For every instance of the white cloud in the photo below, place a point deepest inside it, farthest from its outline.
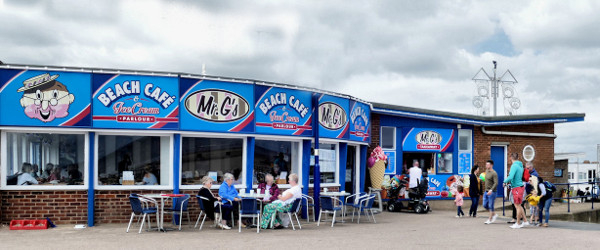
(412, 53)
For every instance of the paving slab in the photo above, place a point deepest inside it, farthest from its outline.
(393, 230)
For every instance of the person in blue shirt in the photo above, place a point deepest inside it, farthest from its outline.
(532, 171)
(229, 195)
(515, 179)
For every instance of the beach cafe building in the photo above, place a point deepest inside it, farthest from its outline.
(91, 137)
(447, 145)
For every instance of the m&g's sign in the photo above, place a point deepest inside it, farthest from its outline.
(332, 116)
(428, 139)
(216, 105)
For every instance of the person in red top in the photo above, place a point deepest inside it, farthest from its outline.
(270, 188)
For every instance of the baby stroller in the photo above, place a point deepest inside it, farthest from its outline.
(416, 201)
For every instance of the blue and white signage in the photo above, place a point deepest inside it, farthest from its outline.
(464, 163)
(333, 117)
(360, 125)
(208, 105)
(45, 98)
(135, 102)
(425, 139)
(391, 167)
(283, 111)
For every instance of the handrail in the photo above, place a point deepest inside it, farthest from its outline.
(593, 183)
(569, 197)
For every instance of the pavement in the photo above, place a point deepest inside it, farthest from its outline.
(393, 230)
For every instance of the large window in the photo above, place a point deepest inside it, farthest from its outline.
(328, 163)
(133, 160)
(45, 159)
(211, 157)
(279, 158)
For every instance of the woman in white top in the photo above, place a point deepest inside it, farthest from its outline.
(282, 204)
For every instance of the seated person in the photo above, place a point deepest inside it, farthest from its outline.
(282, 204)
(55, 175)
(209, 205)
(74, 176)
(270, 188)
(48, 171)
(229, 194)
(26, 178)
(149, 177)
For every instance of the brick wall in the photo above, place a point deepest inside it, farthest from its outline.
(70, 207)
(62, 207)
(544, 146)
(564, 165)
(375, 132)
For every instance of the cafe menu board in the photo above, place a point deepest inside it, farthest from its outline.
(327, 160)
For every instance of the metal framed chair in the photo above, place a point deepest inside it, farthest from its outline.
(203, 212)
(294, 209)
(180, 206)
(137, 209)
(249, 209)
(309, 203)
(352, 200)
(365, 205)
(328, 206)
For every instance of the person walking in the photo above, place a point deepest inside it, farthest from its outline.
(515, 179)
(491, 183)
(474, 192)
(546, 193)
(458, 200)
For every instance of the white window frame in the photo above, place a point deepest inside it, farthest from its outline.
(4, 151)
(470, 141)
(214, 135)
(393, 137)
(299, 158)
(336, 183)
(133, 187)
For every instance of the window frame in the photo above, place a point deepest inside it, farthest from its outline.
(299, 158)
(336, 183)
(4, 160)
(133, 187)
(214, 186)
(393, 137)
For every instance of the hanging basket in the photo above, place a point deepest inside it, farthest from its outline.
(377, 172)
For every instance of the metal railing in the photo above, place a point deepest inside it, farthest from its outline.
(592, 194)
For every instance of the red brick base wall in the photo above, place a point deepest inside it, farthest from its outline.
(62, 207)
(544, 146)
(70, 207)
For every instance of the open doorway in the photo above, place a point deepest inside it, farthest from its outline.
(426, 162)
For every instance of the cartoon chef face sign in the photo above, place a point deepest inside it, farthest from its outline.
(45, 98)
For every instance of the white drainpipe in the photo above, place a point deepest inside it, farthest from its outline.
(516, 133)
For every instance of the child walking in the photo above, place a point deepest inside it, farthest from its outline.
(458, 200)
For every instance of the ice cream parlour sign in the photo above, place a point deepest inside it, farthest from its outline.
(278, 106)
(332, 116)
(127, 100)
(217, 105)
(429, 140)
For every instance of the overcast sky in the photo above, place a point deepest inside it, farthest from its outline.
(413, 53)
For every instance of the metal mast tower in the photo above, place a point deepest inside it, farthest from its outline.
(490, 87)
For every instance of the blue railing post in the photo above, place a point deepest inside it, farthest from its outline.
(568, 198)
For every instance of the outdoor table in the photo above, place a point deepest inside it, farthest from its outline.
(337, 194)
(162, 198)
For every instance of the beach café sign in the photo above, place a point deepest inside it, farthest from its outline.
(428, 140)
